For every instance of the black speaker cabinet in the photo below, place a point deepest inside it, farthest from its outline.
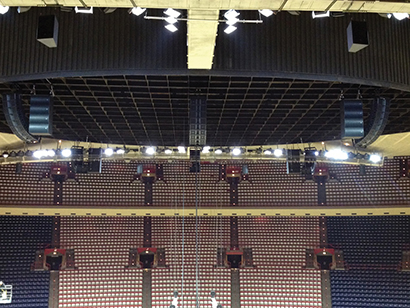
(352, 119)
(47, 31)
(41, 115)
(357, 36)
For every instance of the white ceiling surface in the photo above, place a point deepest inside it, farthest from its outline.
(202, 32)
(285, 5)
(386, 145)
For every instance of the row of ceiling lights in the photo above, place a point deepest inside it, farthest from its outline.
(335, 154)
(398, 16)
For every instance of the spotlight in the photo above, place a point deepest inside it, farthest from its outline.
(108, 151)
(278, 152)
(23, 9)
(50, 153)
(206, 149)
(401, 16)
(267, 152)
(150, 151)
(66, 152)
(336, 154)
(171, 20)
(171, 28)
(181, 150)
(230, 29)
(39, 153)
(83, 10)
(316, 153)
(137, 11)
(266, 12)
(5, 154)
(168, 151)
(320, 14)
(374, 158)
(236, 151)
(4, 9)
(120, 151)
(218, 151)
(172, 13)
(231, 14)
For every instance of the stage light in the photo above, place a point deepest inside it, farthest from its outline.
(181, 150)
(66, 152)
(83, 10)
(278, 152)
(39, 153)
(150, 151)
(206, 149)
(267, 152)
(23, 9)
(230, 29)
(236, 151)
(171, 28)
(172, 13)
(320, 14)
(266, 12)
(401, 16)
(316, 153)
(120, 151)
(50, 153)
(231, 14)
(108, 152)
(171, 20)
(168, 151)
(4, 9)
(137, 11)
(5, 154)
(218, 151)
(337, 154)
(374, 158)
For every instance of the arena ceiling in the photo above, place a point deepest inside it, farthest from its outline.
(154, 110)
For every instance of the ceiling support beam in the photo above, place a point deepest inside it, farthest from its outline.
(202, 32)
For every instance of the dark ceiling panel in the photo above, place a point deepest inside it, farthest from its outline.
(241, 110)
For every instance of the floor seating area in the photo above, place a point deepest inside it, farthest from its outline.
(279, 252)
(20, 238)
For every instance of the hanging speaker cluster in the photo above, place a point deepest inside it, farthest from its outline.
(352, 119)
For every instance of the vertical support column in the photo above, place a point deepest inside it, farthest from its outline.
(58, 192)
(146, 289)
(55, 237)
(321, 193)
(326, 291)
(234, 232)
(235, 289)
(53, 289)
(147, 231)
(148, 192)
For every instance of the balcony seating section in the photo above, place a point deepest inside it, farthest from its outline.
(111, 187)
(370, 242)
(380, 186)
(21, 236)
(279, 252)
(179, 185)
(101, 247)
(370, 288)
(269, 185)
(25, 188)
(213, 233)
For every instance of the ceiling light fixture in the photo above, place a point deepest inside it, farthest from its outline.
(181, 150)
(206, 149)
(108, 152)
(278, 152)
(168, 151)
(5, 154)
(172, 13)
(374, 158)
(230, 29)
(267, 152)
(218, 151)
(150, 151)
(171, 28)
(84, 10)
(401, 16)
(171, 20)
(266, 12)
(236, 151)
(320, 14)
(337, 154)
(4, 9)
(66, 152)
(137, 11)
(231, 19)
(120, 151)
